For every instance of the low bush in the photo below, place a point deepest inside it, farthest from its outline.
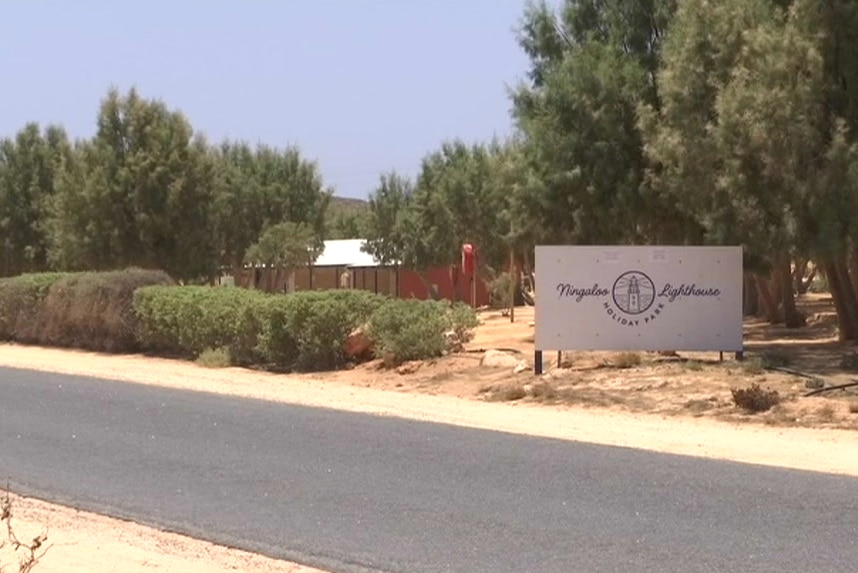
(317, 323)
(134, 309)
(304, 330)
(215, 358)
(755, 399)
(94, 310)
(462, 321)
(410, 329)
(21, 300)
(184, 321)
(500, 290)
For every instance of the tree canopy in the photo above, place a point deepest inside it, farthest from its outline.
(636, 122)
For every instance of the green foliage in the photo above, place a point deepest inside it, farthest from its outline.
(303, 330)
(409, 329)
(140, 192)
(346, 219)
(416, 330)
(185, 321)
(388, 233)
(307, 330)
(462, 320)
(500, 290)
(215, 358)
(21, 302)
(285, 245)
(262, 187)
(30, 165)
(457, 198)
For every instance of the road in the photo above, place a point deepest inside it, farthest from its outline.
(353, 492)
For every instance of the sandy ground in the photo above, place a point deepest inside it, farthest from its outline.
(79, 541)
(451, 391)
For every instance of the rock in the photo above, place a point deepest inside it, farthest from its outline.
(520, 367)
(357, 344)
(499, 359)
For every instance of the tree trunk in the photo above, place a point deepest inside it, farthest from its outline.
(770, 305)
(751, 296)
(847, 313)
(798, 273)
(804, 286)
(853, 269)
(850, 298)
(791, 317)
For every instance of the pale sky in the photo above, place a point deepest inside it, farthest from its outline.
(361, 86)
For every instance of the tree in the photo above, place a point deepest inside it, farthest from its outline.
(261, 187)
(389, 235)
(138, 194)
(592, 64)
(284, 247)
(29, 168)
(346, 219)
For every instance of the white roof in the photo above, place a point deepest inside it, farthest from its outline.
(345, 253)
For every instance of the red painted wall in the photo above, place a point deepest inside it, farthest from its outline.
(450, 282)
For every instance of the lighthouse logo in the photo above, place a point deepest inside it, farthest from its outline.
(633, 292)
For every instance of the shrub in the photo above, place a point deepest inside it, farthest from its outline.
(215, 358)
(21, 300)
(307, 330)
(755, 399)
(410, 329)
(95, 310)
(187, 320)
(499, 291)
(462, 320)
(625, 360)
(304, 330)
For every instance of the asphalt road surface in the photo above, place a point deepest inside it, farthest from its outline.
(352, 492)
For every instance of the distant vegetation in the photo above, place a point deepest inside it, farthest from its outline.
(137, 310)
(637, 122)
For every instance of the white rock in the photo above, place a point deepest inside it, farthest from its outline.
(499, 359)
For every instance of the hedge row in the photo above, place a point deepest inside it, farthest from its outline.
(92, 311)
(304, 330)
(134, 310)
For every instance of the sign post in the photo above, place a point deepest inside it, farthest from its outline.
(469, 266)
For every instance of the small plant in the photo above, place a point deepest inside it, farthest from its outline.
(509, 392)
(776, 358)
(625, 360)
(27, 554)
(826, 413)
(543, 391)
(410, 329)
(215, 358)
(694, 365)
(755, 399)
(853, 407)
(500, 290)
(753, 366)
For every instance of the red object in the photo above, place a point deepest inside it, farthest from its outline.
(469, 255)
(413, 285)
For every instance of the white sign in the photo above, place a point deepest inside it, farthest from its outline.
(639, 298)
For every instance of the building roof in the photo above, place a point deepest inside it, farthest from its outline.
(346, 253)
